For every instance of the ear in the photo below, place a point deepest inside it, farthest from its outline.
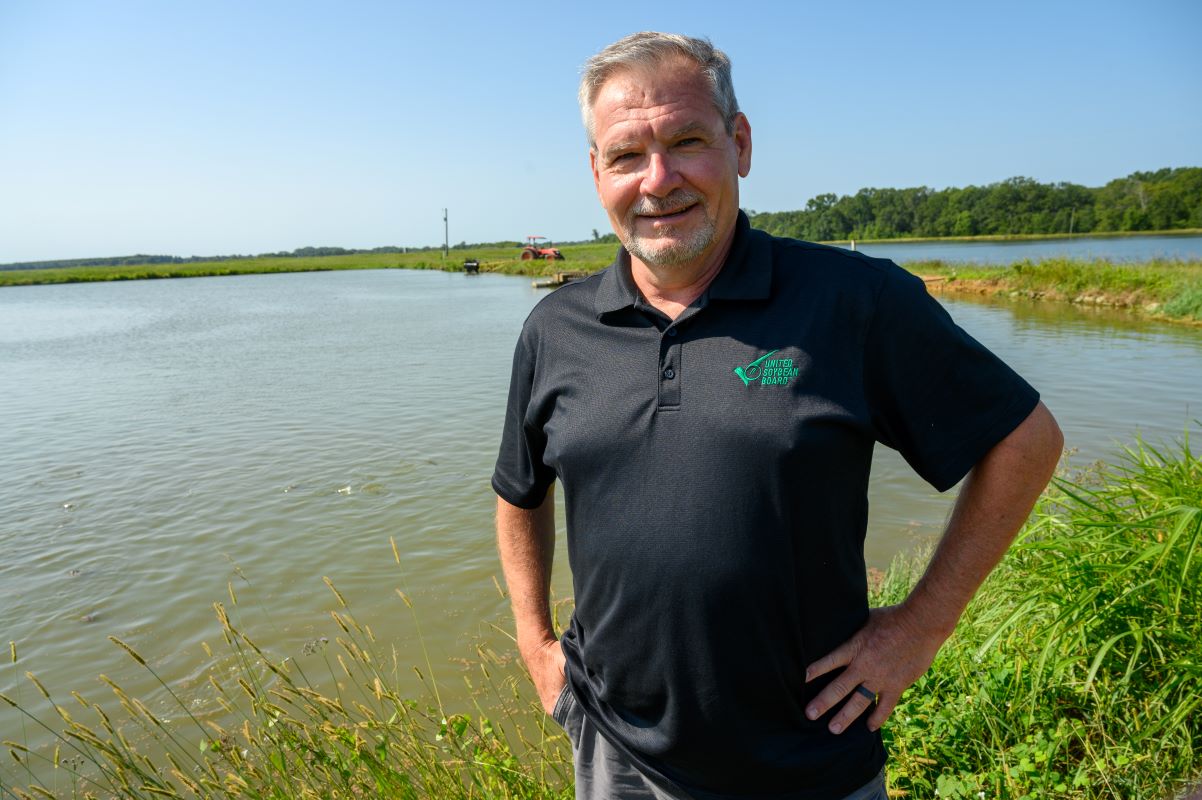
(592, 165)
(742, 137)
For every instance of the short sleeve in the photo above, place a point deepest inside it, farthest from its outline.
(520, 477)
(936, 394)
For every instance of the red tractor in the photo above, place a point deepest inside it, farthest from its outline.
(532, 250)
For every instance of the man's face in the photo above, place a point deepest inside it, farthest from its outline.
(666, 170)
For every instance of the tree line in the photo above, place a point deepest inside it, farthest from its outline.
(1165, 199)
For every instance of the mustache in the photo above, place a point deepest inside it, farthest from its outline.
(676, 201)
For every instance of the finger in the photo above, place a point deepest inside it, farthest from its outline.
(884, 707)
(839, 657)
(840, 686)
(854, 707)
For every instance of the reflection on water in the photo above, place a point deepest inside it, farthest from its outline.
(1106, 376)
(162, 439)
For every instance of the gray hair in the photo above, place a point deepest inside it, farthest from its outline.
(651, 49)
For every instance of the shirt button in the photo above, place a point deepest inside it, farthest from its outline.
(671, 331)
(669, 373)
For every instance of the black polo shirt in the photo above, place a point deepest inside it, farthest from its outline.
(715, 473)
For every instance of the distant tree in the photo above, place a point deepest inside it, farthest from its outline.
(1161, 200)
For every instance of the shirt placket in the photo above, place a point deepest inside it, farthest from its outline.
(670, 375)
(671, 343)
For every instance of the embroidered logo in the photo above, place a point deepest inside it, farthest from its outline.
(768, 371)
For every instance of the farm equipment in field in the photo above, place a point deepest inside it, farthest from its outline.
(534, 249)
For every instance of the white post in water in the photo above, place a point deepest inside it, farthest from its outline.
(853, 244)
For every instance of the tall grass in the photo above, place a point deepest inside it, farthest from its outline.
(1077, 670)
(284, 733)
(1075, 673)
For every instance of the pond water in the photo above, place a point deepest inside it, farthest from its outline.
(1111, 248)
(162, 439)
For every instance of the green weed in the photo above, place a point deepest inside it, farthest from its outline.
(1075, 670)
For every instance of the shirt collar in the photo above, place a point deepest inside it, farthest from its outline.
(746, 274)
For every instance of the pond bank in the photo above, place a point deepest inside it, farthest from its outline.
(1170, 291)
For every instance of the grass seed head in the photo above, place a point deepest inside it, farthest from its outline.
(132, 653)
(38, 684)
(338, 594)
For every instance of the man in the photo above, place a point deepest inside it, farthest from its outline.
(710, 403)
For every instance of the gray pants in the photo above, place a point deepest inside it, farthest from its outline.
(604, 773)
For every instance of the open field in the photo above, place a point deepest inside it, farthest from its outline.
(1170, 290)
(1073, 675)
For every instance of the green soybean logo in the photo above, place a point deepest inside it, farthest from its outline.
(768, 371)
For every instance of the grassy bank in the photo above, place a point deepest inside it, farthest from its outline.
(1170, 290)
(500, 260)
(1074, 674)
(1075, 671)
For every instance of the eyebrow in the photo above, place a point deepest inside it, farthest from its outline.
(618, 147)
(691, 127)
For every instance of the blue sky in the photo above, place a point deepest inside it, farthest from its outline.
(238, 127)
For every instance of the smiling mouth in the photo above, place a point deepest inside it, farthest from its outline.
(668, 215)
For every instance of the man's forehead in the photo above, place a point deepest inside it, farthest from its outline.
(675, 95)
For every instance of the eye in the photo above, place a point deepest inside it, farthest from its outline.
(688, 142)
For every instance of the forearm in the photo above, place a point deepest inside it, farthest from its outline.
(898, 643)
(993, 504)
(526, 543)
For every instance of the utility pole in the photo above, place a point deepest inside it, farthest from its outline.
(446, 237)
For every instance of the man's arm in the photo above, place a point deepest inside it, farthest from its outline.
(526, 541)
(898, 643)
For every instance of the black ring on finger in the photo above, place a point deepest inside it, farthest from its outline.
(864, 690)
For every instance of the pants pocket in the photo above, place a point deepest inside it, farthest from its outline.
(559, 712)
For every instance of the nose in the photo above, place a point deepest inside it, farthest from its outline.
(661, 177)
